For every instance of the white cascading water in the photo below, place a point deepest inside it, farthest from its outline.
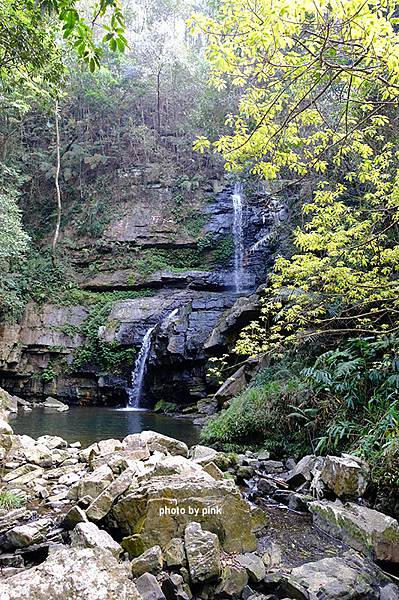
(138, 373)
(238, 235)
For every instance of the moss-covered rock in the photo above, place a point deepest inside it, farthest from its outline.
(364, 529)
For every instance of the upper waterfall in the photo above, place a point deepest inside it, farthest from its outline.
(238, 235)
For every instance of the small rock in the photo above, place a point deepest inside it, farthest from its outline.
(74, 516)
(174, 553)
(234, 579)
(272, 556)
(88, 535)
(253, 564)
(151, 561)
(149, 588)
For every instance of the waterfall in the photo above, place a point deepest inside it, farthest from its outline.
(139, 370)
(238, 235)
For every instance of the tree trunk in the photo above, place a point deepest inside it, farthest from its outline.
(159, 99)
(57, 184)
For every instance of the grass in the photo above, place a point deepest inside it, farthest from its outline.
(10, 500)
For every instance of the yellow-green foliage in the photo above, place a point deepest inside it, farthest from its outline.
(292, 62)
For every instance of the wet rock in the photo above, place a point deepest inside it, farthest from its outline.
(203, 553)
(55, 404)
(174, 553)
(233, 581)
(88, 535)
(346, 476)
(94, 483)
(218, 506)
(364, 529)
(272, 466)
(22, 536)
(81, 573)
(149, 588)
(253, 565)
(151, 561)
(208, 406)
(299, 502)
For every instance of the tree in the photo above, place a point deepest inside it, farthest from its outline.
(319, 92)
(311, 75)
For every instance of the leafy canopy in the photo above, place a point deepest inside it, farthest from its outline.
(319, 86)
(313, 75)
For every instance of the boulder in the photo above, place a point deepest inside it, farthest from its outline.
(101, 506)
(136, 446)
(38, 455)
(364, 529)
(173, 501)
(203, 553)
(253, 565)
(163, 443)
(81, 573)
(347, 577)
(202, 454)
(151, 561)
(55, 404)
(233, 580)
(302, 472)
(88, 535)
(346, 476)
(22, 536)
(149, 588)
(52, 441)
(174, 553)
(94, 483)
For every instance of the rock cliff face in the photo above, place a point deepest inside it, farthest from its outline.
(169, 254)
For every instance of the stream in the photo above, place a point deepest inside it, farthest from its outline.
(92, 424)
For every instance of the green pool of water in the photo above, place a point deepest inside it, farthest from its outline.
(91, 424)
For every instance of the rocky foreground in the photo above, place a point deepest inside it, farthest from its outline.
(146, 518)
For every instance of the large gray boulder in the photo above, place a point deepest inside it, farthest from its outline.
(364, 529)
(339, 578)
(78, 573)
(163, 443)
(347, 476)
(203, 553)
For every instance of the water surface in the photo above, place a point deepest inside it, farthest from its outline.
(92, 424)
